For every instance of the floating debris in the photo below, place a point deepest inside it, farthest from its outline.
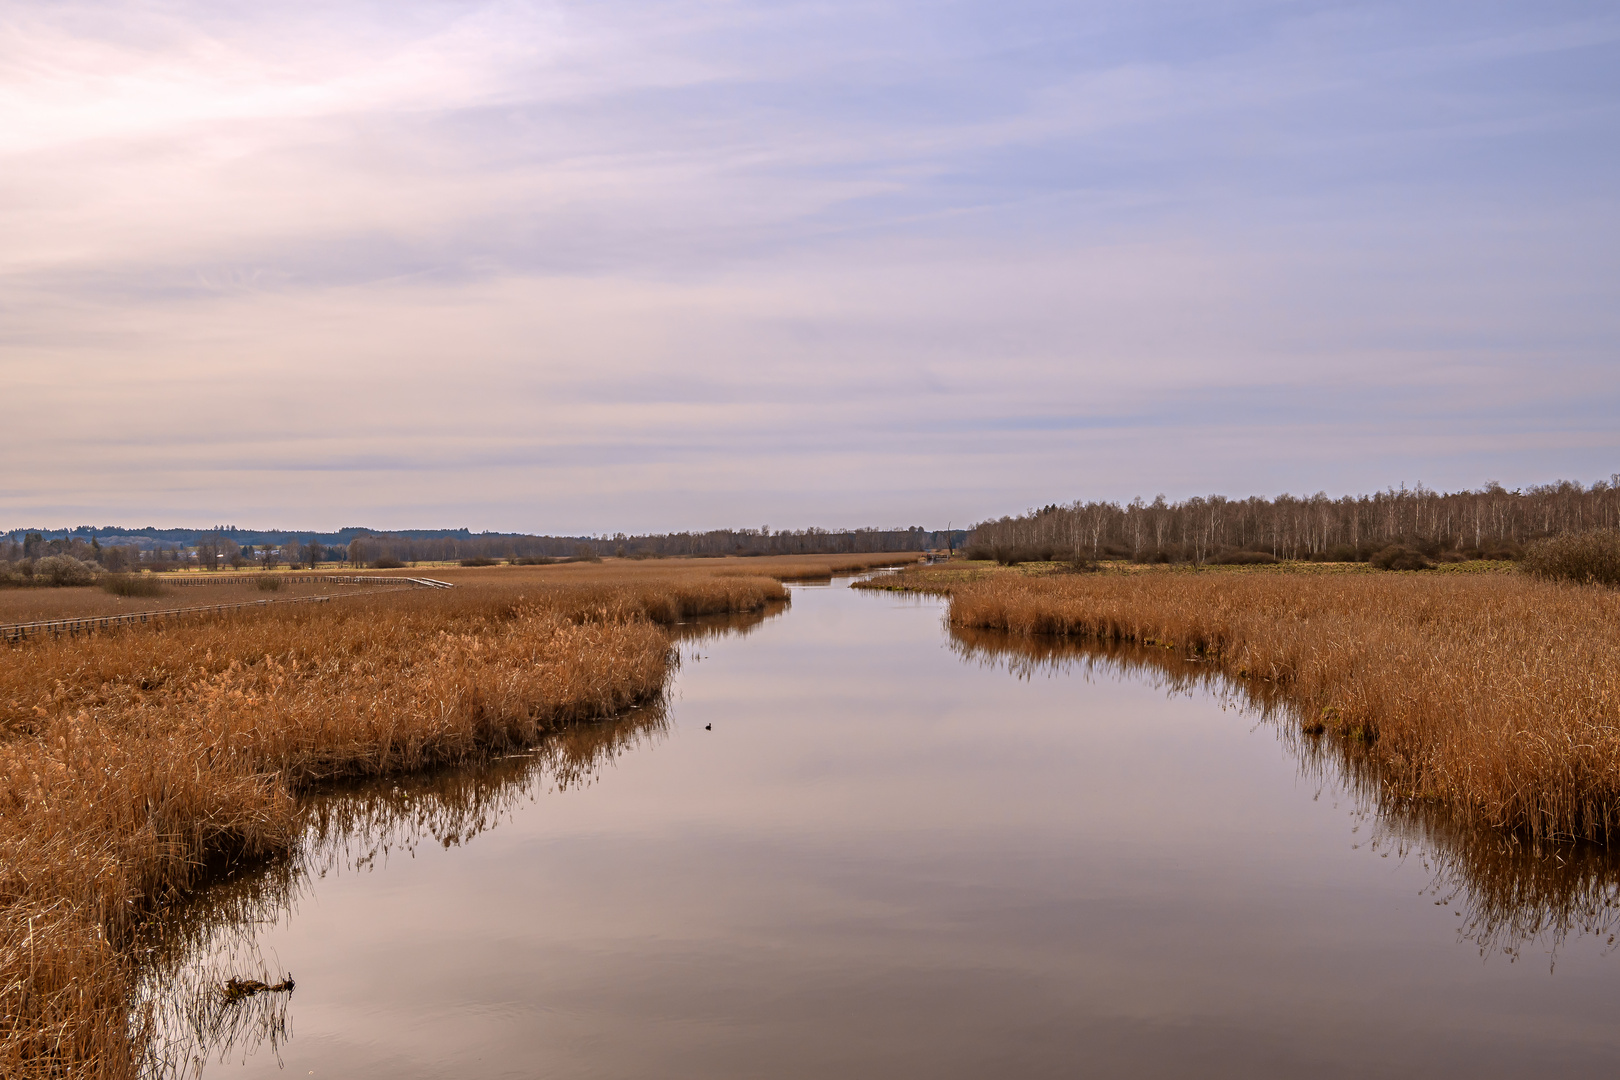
(237, 989)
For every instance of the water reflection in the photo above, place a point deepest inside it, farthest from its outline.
(198, 947)
(739, 624)
(211, 938)
(882, 859)
(192, 952)
(1509, 893)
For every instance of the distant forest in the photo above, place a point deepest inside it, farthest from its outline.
(1492, 522)
(117, 548)
(1489, 523)
(717, 542)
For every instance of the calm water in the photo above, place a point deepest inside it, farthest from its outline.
(902, 854)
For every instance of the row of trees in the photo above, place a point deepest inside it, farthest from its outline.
(1490, 522)
(217, 549)
(19, 553)
(398, 549)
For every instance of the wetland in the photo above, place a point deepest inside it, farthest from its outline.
(852, 839)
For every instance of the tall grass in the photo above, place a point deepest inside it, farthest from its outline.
(1592, 557)
(132, 585)
(817, 568)
(136, 761)
(1494, 695)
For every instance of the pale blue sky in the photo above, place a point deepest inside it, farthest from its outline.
(592, 267)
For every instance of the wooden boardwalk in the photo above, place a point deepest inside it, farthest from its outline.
(16, 632)
(200, 580)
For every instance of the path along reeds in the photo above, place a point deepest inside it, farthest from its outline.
(1495, 695)
(135, 762)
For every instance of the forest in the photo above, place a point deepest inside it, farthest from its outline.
(1492, 523)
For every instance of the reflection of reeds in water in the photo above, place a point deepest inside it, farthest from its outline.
(355, 826)
(196, 948)
(182, 1013)
(136, 764)
(1496, 696)
(1509, 892)
(192, 952)
(728, 624)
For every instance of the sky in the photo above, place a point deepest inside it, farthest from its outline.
(647, 266)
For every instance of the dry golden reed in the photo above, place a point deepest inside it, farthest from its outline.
(1495, 695)
(136, 760)
(820, 567)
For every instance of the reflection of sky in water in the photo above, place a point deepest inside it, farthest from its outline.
(885, 860)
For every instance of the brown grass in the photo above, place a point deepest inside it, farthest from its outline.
(132, 585)
(1494, 695)
(818, 567)
(622, 571)
(1591, 557)
(34, 605)
(137, 761)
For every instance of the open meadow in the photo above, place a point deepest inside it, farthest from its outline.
(141, 761)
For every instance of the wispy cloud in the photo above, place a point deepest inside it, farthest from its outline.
(638, 265)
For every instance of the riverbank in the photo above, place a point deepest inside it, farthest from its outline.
(1493, 694)
(138, 762)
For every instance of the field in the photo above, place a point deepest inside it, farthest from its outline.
(196, 589)
(33, 605)
(1491, 694)
(141, 762)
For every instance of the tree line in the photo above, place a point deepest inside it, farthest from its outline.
(219, 549)
(1492, 522)
(382, 547)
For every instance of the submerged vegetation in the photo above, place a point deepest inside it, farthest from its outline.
(139, 762)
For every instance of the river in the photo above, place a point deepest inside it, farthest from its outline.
(856, 845)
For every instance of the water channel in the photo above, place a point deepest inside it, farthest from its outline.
(857, 845)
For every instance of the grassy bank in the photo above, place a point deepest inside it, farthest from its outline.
(137, 762)
(1493, 694)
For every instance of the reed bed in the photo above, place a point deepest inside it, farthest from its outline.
(88, 602)
(1496, 696)
(135, 762)
(821, 567)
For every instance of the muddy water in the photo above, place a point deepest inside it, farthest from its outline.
(855, 845)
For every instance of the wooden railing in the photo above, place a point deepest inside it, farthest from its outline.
(23, 631)
(191, 582)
